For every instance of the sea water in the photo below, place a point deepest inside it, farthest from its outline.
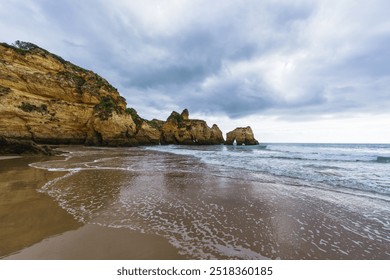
(341, 167)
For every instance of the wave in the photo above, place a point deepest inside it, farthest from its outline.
(289, 158)
(383, 159)
(353, 170)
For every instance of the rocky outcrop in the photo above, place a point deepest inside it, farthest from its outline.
(242, 136)
(147, 132)
(49, 100)
(179, 129)
(23, 147)
(185, 114)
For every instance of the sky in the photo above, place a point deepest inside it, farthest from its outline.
(295, 71)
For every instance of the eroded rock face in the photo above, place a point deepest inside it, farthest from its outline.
(242, 136)
(48, 100)
(23, 147)
(185, 114)
(179, 129)
(147, 132)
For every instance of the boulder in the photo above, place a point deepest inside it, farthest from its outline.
(242, 136)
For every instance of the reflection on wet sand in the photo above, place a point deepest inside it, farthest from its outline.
(26, 216)
(92, 242)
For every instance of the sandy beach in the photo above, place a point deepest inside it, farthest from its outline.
(26, 216)
(139, 204)
(8, 157)
(93, 242)
(33, 226)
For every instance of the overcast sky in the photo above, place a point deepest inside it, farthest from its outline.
(296, 71)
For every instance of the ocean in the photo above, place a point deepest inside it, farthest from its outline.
(353, 168)
(279, 201)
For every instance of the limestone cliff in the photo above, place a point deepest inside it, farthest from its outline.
(179, 129)
(147, 132)
(242, 136)
(49, 100)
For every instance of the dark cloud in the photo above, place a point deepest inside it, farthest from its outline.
(233, 58)
(167, 75)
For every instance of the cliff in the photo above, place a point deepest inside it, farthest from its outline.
(48, 100)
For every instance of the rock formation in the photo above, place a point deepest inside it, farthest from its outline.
(49, 100)
(185, 114)
(147, 132)
(23, 147)
(242, 136)
(179, 129)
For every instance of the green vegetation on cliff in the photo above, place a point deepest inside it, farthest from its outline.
(134, 115)
(138, 120)
(24, 48)
(106, 107)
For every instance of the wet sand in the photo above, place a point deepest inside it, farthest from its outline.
(26, 216)
(139, 204)
(9, 157)
(92, 242)
(34, 226)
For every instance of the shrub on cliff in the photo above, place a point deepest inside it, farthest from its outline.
(175, 117)
(105, 108)
(134, 115)
(25, 46)
(138, 120)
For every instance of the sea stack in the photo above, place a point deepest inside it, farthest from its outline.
(242, 136)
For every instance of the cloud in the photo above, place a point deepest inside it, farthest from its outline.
(236, 58)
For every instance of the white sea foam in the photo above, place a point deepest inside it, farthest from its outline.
(341, 167)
